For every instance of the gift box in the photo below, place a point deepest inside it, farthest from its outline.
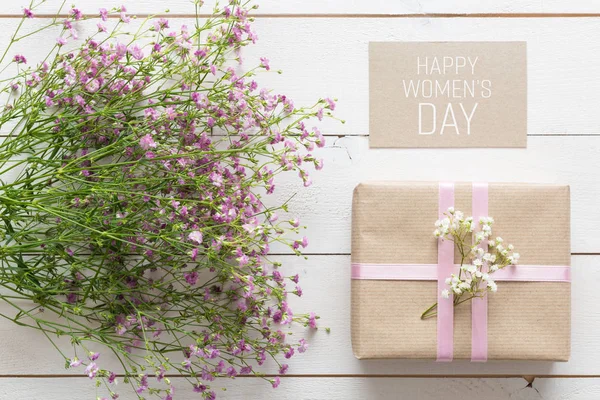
(392, 233)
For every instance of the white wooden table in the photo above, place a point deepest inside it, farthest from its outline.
(321, 45)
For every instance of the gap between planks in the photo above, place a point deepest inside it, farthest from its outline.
(349, 15)
(352, 135)
(328, 376)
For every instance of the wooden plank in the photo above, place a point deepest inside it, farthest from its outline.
(319, 7)
(326, 284)
(328, 57)
(326, 206)
(327, 388)
(313, 388)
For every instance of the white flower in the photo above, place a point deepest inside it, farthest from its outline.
(485, 277)
(464, 286)
(492, 285)
(477, 262)
(494, 268)
(478, 274)
(437, 233)
(457, 291)
(450, 210)
(472, 269)
(479, 236)
(448, 281)
(459, 215)
(445, 293)
(500, 248)
(486, 220)
(511, 247)
(487, 231)
(499, 240)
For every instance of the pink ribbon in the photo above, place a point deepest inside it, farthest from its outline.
(428, 272)
(445, 267)
(479, 310)
(445, 307)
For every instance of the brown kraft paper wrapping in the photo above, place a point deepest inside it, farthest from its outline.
(393, 223)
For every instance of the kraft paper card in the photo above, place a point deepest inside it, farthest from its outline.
(392, 223)
(448, 94)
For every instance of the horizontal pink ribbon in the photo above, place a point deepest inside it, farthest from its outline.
(428, 272)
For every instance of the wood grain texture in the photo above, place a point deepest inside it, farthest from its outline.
(322, 48)
(329, 389)
(291, 388)
(318, 7)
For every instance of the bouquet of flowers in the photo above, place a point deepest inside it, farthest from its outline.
(480, 257)
(131, 202)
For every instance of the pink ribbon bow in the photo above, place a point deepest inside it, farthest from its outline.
(445, 267)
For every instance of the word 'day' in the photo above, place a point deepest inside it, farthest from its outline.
(428, 111)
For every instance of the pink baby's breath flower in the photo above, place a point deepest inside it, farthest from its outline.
(103, 14)
(101, 27)
(191, 277)
(330, 104)
(120, 329)
(303, 346)
(161, 24)
(265, 63)
(93, 85)
(147, 142)
(143, 385)
(76, 14)
(61, 41)
(195, 236)
(123, 16)
(75, 362)
(307, 180)
(312, 320)
(276, 382)
(28, 13)
(91, 370)
(136, 52)
(199, 388)
(20, 59)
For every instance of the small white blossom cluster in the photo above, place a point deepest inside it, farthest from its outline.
(477, 265)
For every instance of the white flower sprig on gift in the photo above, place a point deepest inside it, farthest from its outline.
(477, 266)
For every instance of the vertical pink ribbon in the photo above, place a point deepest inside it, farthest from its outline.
(479, 306)
(445, 307)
